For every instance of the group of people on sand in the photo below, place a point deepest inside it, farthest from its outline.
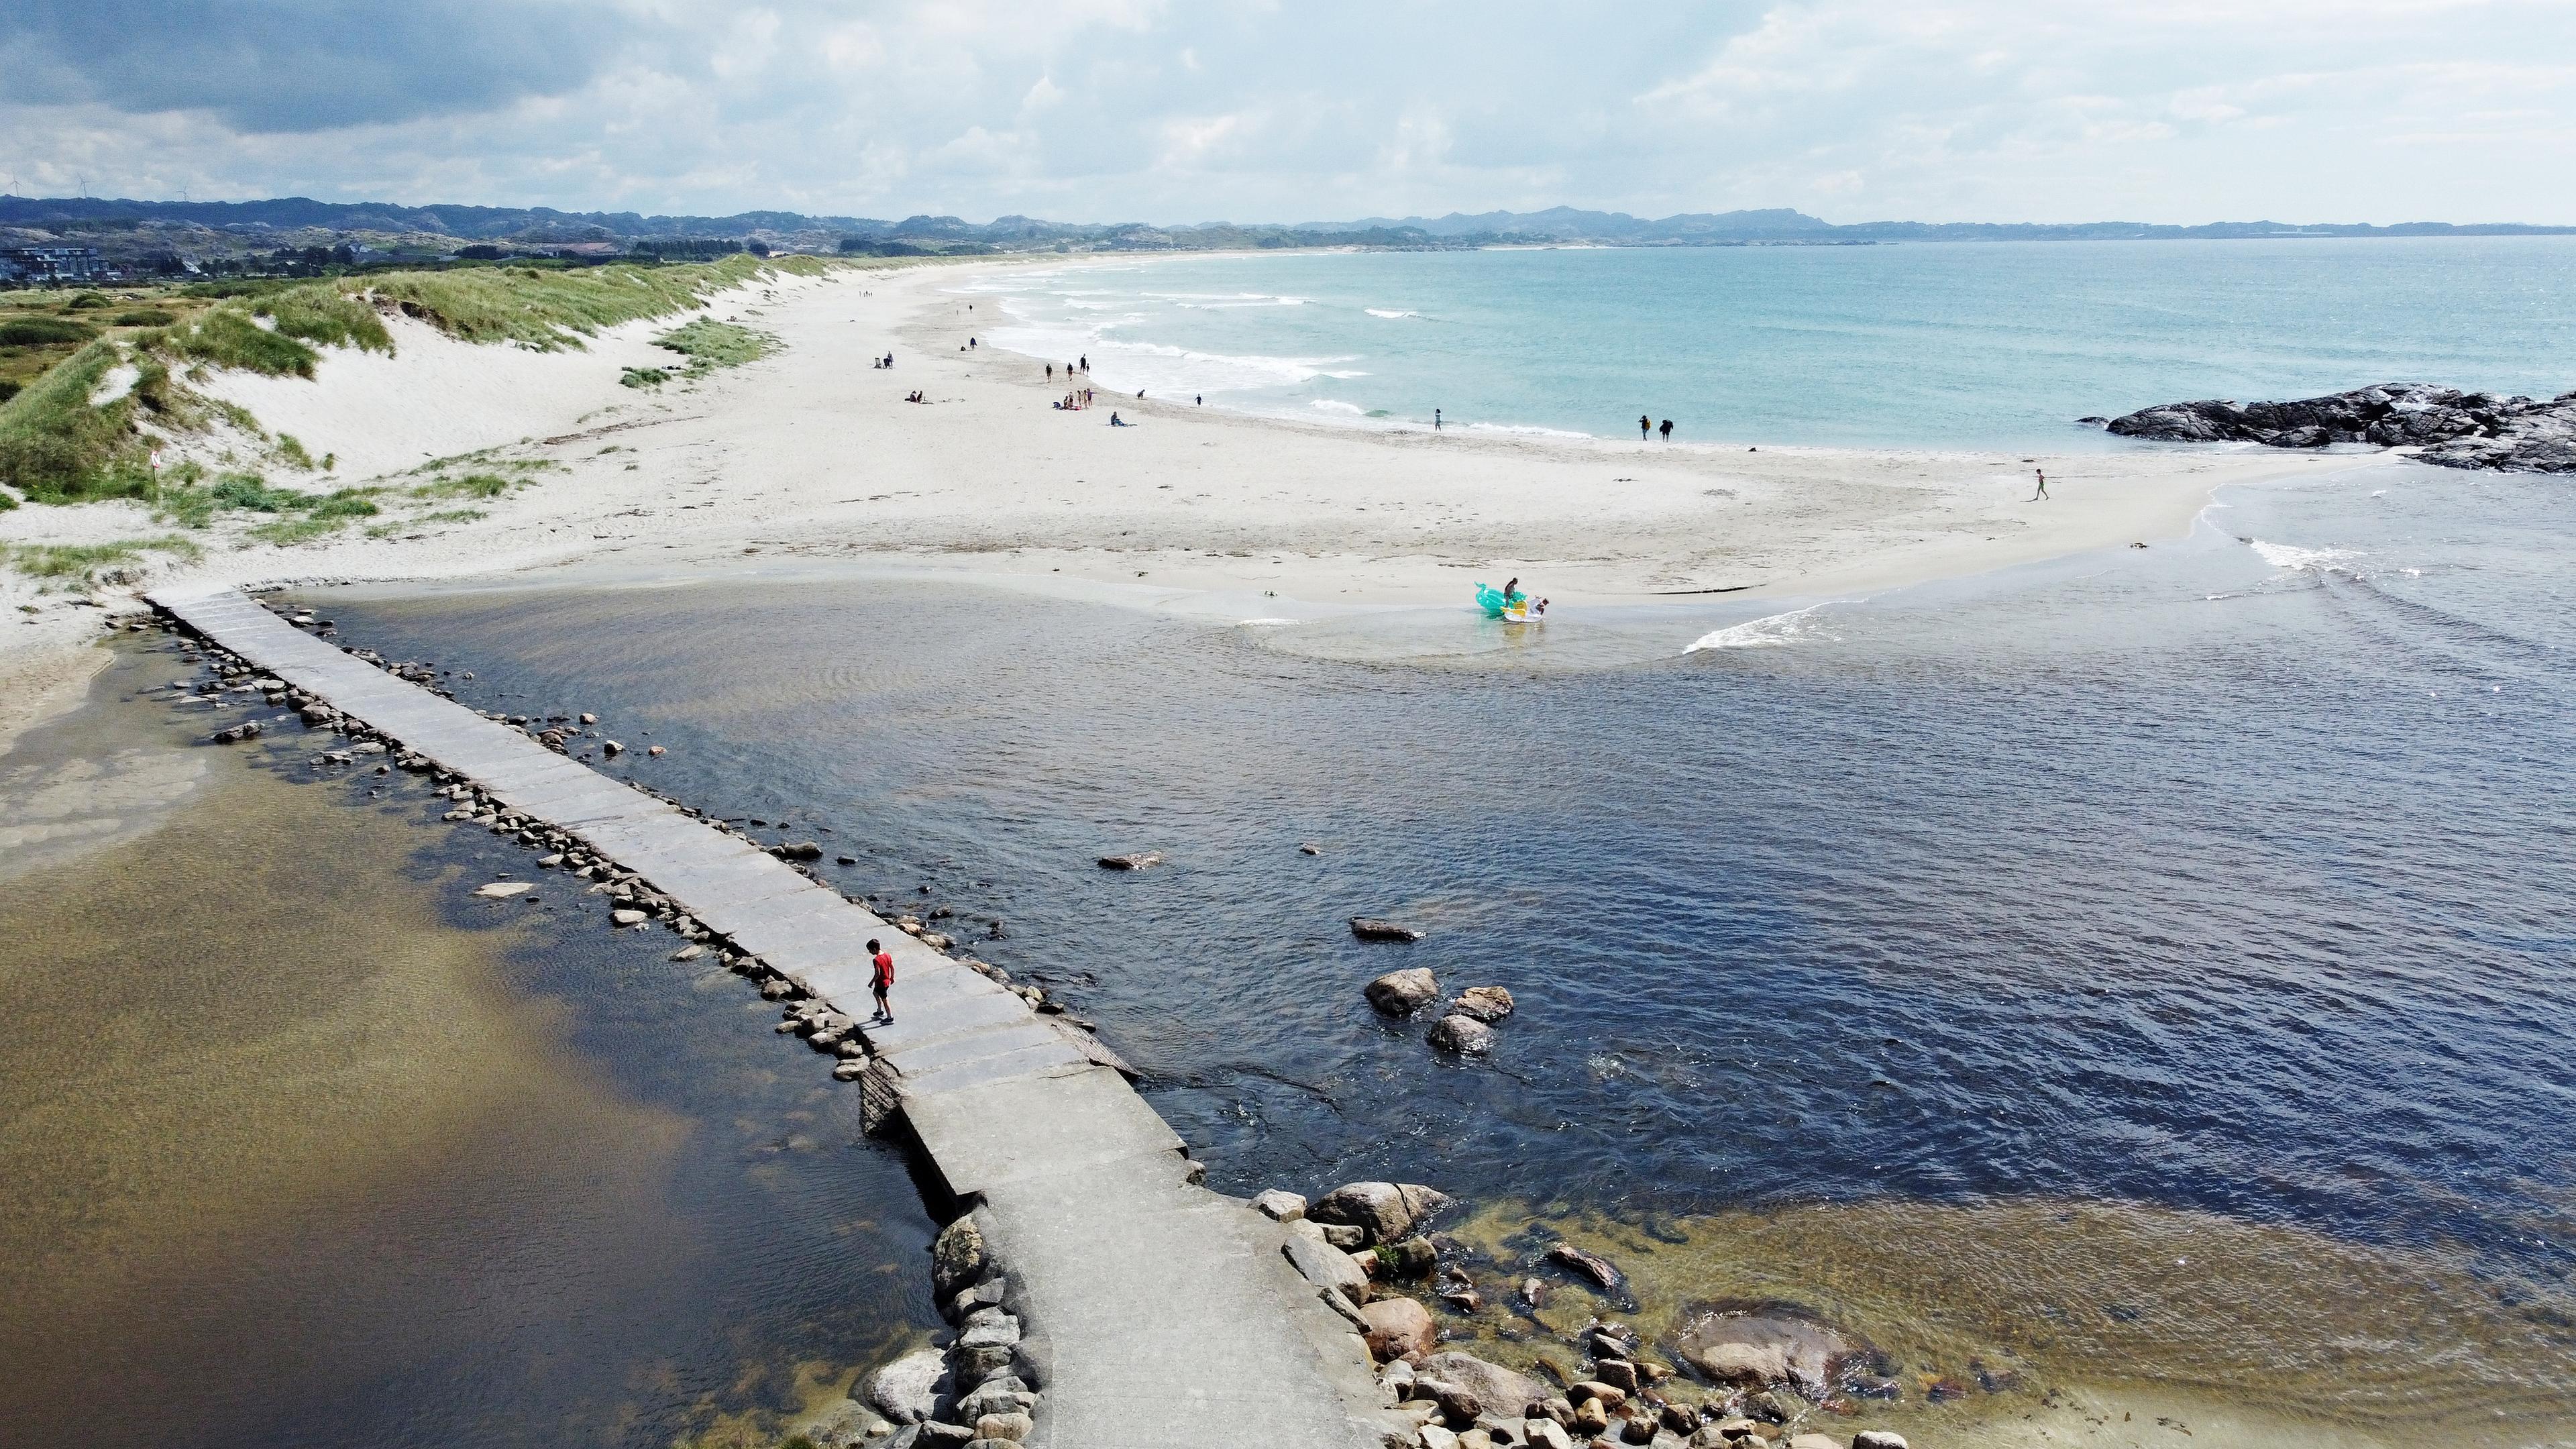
(1646, 428)
(1069, 368)
(1074, 401)
(884, 362)
(915, 396)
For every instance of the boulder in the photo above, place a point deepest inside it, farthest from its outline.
(1458, 1403)
(1372, 928)
(1546, 1434)
(1461, 1035)
(1485, 1003)
(1280, 1206)
(1760, 1350)
(1877, 1439)
(1402, 993)
(1326, 1267)
(1386, 1211)
(1013, 1427)
(1812, 1441)
(627, 917)
(1412, 1257)
(1399, 1328)
(907, 1389)
(1499, 1389)
(1137, 861)
(798, 850)
(957, 1256)
(1619, 1373)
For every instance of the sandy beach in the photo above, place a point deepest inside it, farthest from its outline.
(813, 454)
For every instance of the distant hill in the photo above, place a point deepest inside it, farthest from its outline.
(300, 220)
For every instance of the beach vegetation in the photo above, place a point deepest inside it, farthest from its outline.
(470, 485)
(291, 452)
(57, 448)
(317, 517)
(85, 301)
(84, 562)
(146, 317)
(643, 377)
(709, 344)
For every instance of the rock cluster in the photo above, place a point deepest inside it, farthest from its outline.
(1466, 1029)
(2452, 428)
(981, 1389)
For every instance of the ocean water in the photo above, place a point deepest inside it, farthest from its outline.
(1967, 346)
(2024, 940)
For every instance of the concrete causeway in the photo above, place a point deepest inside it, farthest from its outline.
(1155, 1313)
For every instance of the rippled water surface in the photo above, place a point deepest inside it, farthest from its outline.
(2226, 880)
(1974, 346)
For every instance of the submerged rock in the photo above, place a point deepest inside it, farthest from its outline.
(1372, 928)
(1603, 1274)
(1139, 860)
(1760, 1350)
(502, 890)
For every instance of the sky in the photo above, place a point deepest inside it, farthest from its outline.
(1142, 110)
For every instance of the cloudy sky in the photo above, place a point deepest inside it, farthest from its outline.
(1101, 110)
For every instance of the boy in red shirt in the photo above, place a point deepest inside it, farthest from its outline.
(884, 981)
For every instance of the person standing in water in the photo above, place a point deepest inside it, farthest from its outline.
(881, 980)
(2043, 485)
(1668, 430)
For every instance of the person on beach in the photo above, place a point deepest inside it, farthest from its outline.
(1645, 427)
(1116, 421)
(1667, 430)
(1435, 420)
(882, 981)
(1198, 400)
(1050, 372)
(2043, 485)
(1086, 362)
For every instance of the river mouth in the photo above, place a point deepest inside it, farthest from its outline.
(2000, 937)
(305, 1144)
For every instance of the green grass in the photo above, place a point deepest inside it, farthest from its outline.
(453, 515)
(43, 331)
(146, 317)
(83, 561)
(643, 377)
(293, 455)
(552, 310)
(192, 503)
(709, 345)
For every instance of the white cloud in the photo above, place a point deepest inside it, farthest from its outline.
(1124, 109)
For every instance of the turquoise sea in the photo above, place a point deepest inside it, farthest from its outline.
(2002, 344)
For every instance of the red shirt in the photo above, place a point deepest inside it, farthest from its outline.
(885, 969)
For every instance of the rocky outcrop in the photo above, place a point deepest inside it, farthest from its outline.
(1461, 1035)
(2454, 429)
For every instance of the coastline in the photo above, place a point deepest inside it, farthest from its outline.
(811, 454)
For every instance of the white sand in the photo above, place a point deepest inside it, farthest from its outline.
(812, 453)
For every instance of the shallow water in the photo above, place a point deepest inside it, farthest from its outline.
(2218, 881)
(1964, 346)
(300, 1144)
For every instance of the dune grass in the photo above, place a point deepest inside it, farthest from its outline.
(57, 448)
(43, 331)
(83, 562)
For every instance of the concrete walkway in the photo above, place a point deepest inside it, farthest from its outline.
(1158, 1313)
